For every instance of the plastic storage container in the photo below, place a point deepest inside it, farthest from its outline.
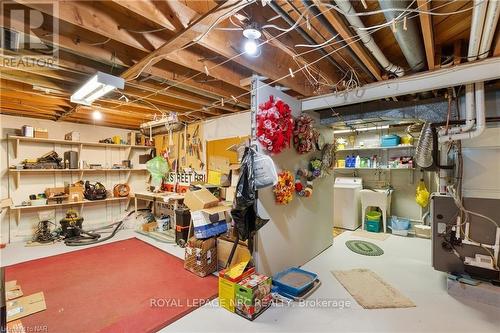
(400, 225)
(372, 226)
(390, 140)
(294, 281)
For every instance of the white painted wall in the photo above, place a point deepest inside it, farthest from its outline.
(302, 229)
(96, 214)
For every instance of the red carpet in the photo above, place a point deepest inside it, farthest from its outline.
(109, 288)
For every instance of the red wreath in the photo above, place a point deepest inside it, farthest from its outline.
(274, 125)
(304, 134)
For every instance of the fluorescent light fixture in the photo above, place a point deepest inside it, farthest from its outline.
(97, 115)
(99, 85)
(362, 129)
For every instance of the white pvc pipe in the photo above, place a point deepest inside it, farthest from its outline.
(480, 118)
(476, 30)
(367, 40)
(490, 24)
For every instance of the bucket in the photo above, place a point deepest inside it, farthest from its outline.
(373, 216)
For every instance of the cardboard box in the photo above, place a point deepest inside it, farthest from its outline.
(224, 250)
(24, 306)
(50, 192)
(210, 215)
(253, 296)
(200, 199)
(12, 290)
(200, 256)
(75, 192)
(41, 133)
(230, 193)
(149, 227)
(227, 288)
(72, 136)
(235, 174)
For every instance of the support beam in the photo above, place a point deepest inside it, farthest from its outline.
(228, 45)
(83, 15)
(190, 34)
(147, 9)
(427, 32)
(466, 73)
(122, 59)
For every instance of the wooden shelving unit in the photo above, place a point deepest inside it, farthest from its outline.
(80, 204)
(377, 148)
(17, 173)
(80, 144)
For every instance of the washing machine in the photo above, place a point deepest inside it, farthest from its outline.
(347, 202)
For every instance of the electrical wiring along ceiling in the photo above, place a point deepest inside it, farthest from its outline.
(202, 79)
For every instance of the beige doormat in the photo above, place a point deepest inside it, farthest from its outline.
(370, 291)
(372, 235)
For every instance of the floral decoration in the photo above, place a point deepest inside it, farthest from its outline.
(283, 190)
(304, 134)
(274, 125)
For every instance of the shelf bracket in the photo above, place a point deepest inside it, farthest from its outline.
(127, 178)
(18, 217)
(16, 147)
(17, 179)
(129, 152)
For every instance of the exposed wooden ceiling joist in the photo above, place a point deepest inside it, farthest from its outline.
(195, 31)
(427, 32)
(225, 44)
(149, 10)
(83, 15)
(107, 56)
(343, 30)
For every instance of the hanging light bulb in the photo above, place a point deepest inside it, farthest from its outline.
(97, 115)
(250, 47)
(252, 34)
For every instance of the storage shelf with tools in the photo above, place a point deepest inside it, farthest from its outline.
(18, 139)
(51, 177)
(19, 209)
(18, 172)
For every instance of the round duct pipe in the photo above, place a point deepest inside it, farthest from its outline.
(409, 40)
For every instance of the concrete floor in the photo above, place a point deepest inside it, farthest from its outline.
(405, 265)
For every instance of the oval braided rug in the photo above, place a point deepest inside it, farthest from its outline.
(364, 248)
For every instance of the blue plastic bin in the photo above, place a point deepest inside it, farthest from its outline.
(400, 223)
(390, 140)
(293, 290)
(372, 226)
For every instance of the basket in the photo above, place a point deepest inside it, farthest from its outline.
(200, 260)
